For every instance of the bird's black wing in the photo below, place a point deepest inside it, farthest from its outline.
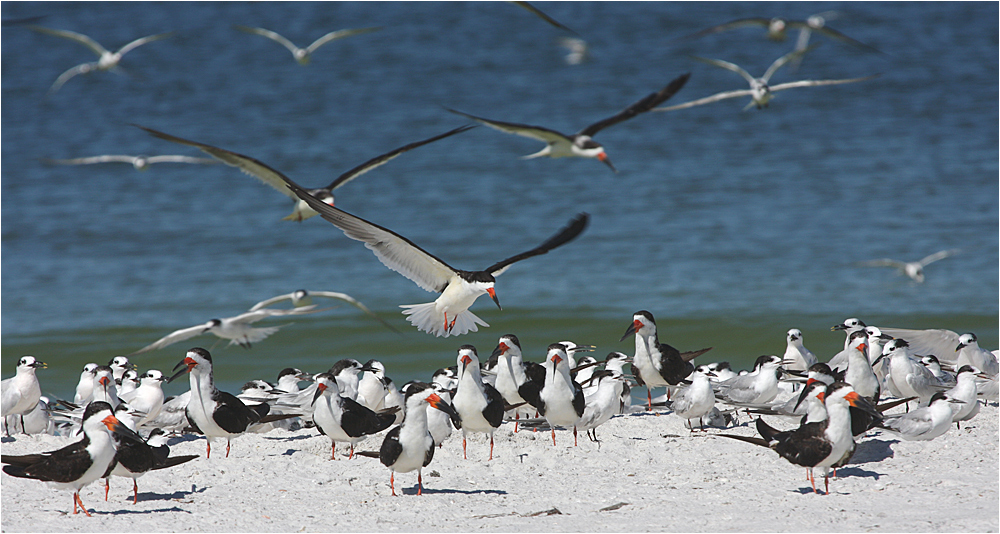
(567, 234)
(579, 402)
(358, 420)
(649, 102)
(494, 406)
(543, 16)
(64, 465)
(430, 451)
(391, 448)
(231, 414)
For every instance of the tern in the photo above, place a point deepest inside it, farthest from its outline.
(141, 163)
(303, 55)
(908, 375)
(581, 144)
(107, 60)
(923, 424)
(934, 366)
(656, 364)
(965, 391)
(372, 386)
(913, 269)
(797, 357)
(303, 297)
(603, 403)
(697, 400)
(777, 29)
(410, 446)
(342, 418)
(760, 91)
(970, 353)
(85, 388)
(148, 397)
(280, 182)
(22, 391)
(76, 465)
(757, 387)
(449, 314)
(236, 329)
(849, 326)
(119, 366)
(479, 405)
(577, 49)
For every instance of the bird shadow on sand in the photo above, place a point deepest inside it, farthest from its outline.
(290, 438)
(872, 450)
(129, 512)
(413, 491)
(175, 496)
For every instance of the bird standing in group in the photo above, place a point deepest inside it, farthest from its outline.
(22, 391)
(697, 400)
(147, 399)
(559, 399)
(926, 423)
(342, 418)
(479, 405)
(581, 144)
(603, 403)
(797, 357)
(656, 364)
(964, 391)
(908, 375)
(510, 375)
(757, 387)
(410, 446)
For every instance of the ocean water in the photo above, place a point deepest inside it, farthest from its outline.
(730, 226)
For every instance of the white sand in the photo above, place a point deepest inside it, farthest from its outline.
(671, 481)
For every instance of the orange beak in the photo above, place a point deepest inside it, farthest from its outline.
(493, 295)
(556, 359)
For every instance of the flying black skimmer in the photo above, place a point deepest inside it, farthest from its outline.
(214, 413)
(281, 183)
(342, 418)
(965, 391)
(303, 55)
(147, 399)
(540, 14)
(410, 445)
(757, 387)
(76, 465)
(236, 329)
(655, 364)
(926, 423)
(580, 144)
(908, 375)
(479, 405)
(85, 387)
(134, 458)
(510, 373)
(449, 314)
(107, 60)
(913, 269)
(302, 297)
(21, 392)
(797, 357)
(827, 443)
(777, 29)
(141, 163)
(697, 400)
(760, 91)
(604, 403)
(556, 396)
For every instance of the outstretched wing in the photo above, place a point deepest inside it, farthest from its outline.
(816, 83)
(339, 34)
(728, 66)
(270, 35)
(940, 255)
(708, 99)
(173, 337)
(73, 36)
(543, 16)
(141, 41)
(181, 159)
(567, 234)
(109, 158)
(649, 102)
(524, 130)
(82, 68)
(738, 23)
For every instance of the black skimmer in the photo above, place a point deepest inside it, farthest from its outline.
(510, 373)
(302, 297)
(656, 364)
(141, 163)
(134, 458)
(410, 445)
(342, 418)
(760, 91)
(303, 55)
(540, 14)
(908, 375)
(107, 60)
(827, 443)
(439, 421)
(449, 314)
(581, 144)
(22, 391)
(85, 388)
(777, 29)
(76, 465)
(214, 413)
(236, 329)
(556, 396)
(697, 400)
(757, 387)
(603, 403)
(148, 398)
(913, 269)
(926, 423)
(797, 357)
(479, 405)
(280, 182)
(965, 391)
(105, 387)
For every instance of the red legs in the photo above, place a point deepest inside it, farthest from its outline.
(574, 436)
(135, 492)
(107, 487)
(392, 482)
(208, 448)
(517, 415)
(420, 483)
(464, 455)
(447, 326)
(227, 448)
(491, 451)
(649, 398)
(553, 437)
(827, 481)
(812, 480)
(351, 455)
(76, 499)
(333, 450)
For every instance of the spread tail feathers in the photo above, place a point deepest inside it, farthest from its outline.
(428, 319)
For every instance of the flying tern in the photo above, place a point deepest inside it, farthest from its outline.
(303, 55)
(141, 163)
(913, 269)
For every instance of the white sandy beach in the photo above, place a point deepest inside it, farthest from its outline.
(649, 474)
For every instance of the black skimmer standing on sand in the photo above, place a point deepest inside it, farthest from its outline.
(510, 372)
(76, 465)
(342, 418)
(105, 387)
(581, 144)
(449, 314)
(303, 55)
(827, 443)
(136, 458)
(557, 397)
(280, 182)
(479, 405)
(410, 445)
(214, 413)
(655, 364)
(21, 392)
(859, 373)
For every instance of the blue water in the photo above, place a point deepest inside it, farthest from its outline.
(730, 226)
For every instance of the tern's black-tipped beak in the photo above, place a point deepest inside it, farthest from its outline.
(493, 295)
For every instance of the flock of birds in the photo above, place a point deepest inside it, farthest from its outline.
(940, 375)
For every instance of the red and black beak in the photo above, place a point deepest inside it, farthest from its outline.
(501, 348)
(438, 403)
(862, 404)
(117, 427)
(493, 295)
(636, 325)
(190, 363)
(320, 388)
